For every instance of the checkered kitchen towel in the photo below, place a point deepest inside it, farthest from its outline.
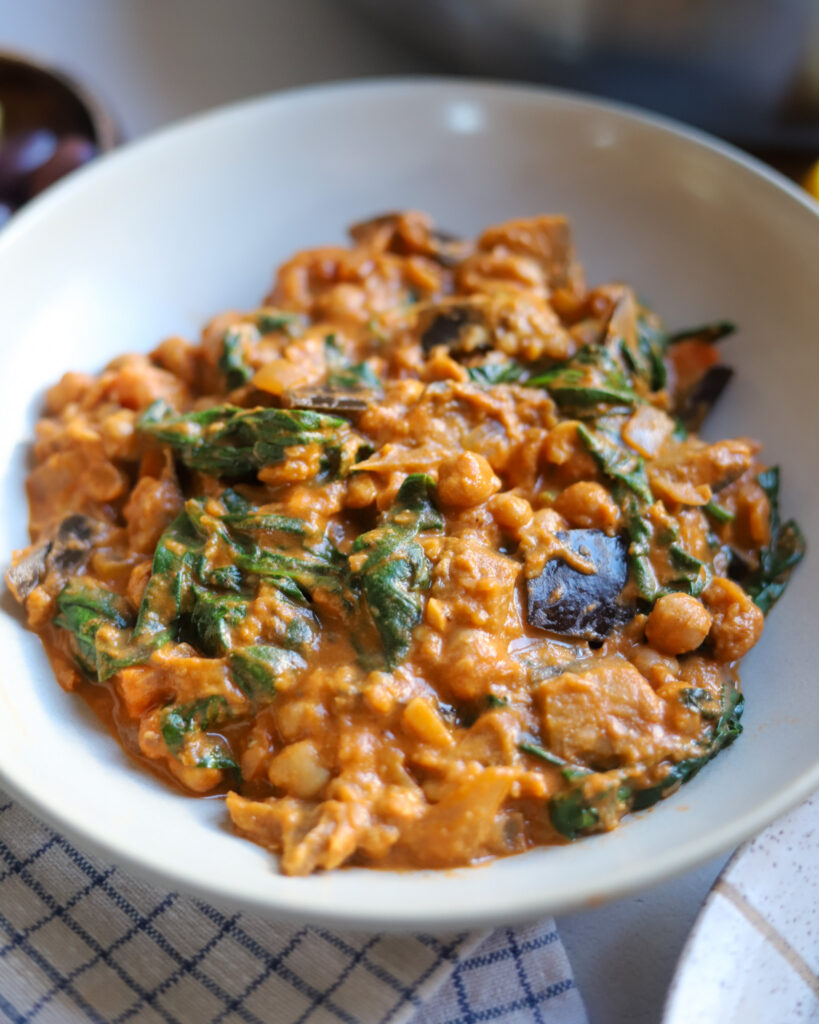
(82, 941)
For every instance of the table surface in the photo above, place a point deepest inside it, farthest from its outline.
(155, 61)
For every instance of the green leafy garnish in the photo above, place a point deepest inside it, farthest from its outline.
(706, 333)
(212, 619)
(198, 716)
(232, 360)
(615, 461)
(395, 570)
(573, 814)
(645, 353)
(588, 380)
(256, 669)
(783, 553)
(269, 320)
(490, 373)
(581, 808)
(83, 609)
(718, 513)
(227, 441)
(726, 730)
(536, 750)
(341, 373)
(183, 723)
(696, 698)
(684, 572)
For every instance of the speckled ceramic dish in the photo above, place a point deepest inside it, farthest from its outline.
(753, 955)
(160, 235)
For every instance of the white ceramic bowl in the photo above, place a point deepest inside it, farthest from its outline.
(157, 237)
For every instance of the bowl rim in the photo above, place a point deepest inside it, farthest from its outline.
(290, 906)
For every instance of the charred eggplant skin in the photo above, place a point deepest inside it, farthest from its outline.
(582, 605)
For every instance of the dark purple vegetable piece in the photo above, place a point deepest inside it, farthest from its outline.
(739, 568)
(20, 155)
(64, 554)
(329, 399)
(6, 210)
(696, 402)
(72, 152)
(458, 328)
(72, 543)
(24, 576)
(584, 605)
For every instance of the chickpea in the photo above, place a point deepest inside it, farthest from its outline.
(563, 447)
(588, 505)
(70, 388)
(678, 623)
(361, 491)
(511, 511)
(466, 480)
(298, 770)
(737, 621)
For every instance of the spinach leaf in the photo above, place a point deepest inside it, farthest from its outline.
(100, 622)
(589, 379)
(228, 441)
(256, 669)
(308, 567)
(181, 723)
(726, 730)
(717, 512)
(580, 809)
(639, 552)
(269, 320)
(83, 610)
(616, 462)
(695, 698)
(341, 373)
(169, 592)
(706, 333)
(392, 569)
(694, 575)
(206, 568)
(232, 360)
(355, 377)
(585, 806)
(683, 574)
(178, 720)
(645, 355)
(573, 814)
(266, 522)
(199, 557)
(212, 617)
(783, 553)
(490, 373)
(536, 750)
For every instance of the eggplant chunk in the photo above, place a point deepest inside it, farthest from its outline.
(460, 328)
(329, 399)
(24, 575)
(577, 604)
(697, 401)
(64, 554)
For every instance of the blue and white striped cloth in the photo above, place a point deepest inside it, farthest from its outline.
(82, 941)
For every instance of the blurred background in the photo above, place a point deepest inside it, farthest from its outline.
(747, 70)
